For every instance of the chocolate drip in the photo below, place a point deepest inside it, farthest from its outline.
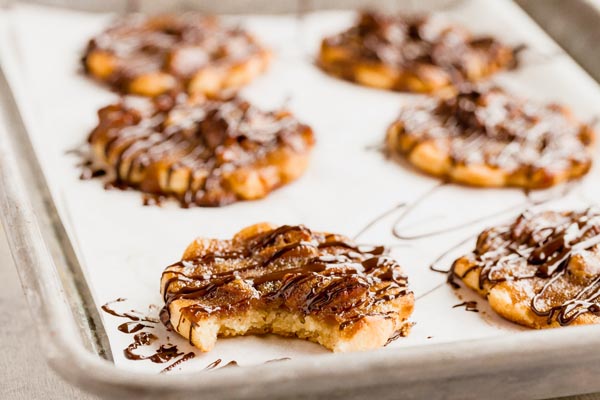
(378, 218)
(132, 315)
(434, 265)
(164, 353)
(540, 248)
(468, 305)
(397, 335)
(186, 357)
(216, 364)
(213, 364)
(132, 327)
(277, 360)
(230, 364)
(234, 363)
(406, 208)
(88, 172)
(342, 276)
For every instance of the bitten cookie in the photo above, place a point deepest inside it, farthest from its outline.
(541, 271)
(152, 55)
(289, 281)
(417, 54)
(201, 152)
(488, 137)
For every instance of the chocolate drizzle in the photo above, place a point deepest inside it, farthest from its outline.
(397, 335)
(213, 364)
(556, 252)
(468, 305)
(163, 354)
(231, 364)
(405, 209)
(192, 150)
(277, 360)
(132, 327)
(132, 315)
(291, 267)
(186, 357)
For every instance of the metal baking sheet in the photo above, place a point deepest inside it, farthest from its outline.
(68, 281)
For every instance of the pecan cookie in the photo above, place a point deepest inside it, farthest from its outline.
(416, 54)
(491, 138)
(541, 271)
(289, 281)
(201, 152)
(153, 55)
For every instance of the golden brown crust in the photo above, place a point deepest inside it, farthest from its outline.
(542, 271)
(288, 281)
(201, 152)
(149, 56)
(411, 54)
(489, 138)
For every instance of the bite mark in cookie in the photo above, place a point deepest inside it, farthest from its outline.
(541, 271)
(487, 137)
(289, 281)
(201, 152)
(153, 55)
(417, 54)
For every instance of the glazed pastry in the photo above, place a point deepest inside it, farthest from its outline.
(201, 152)
(541, 271)
(490, 138)
(416, 54)
(153, 55)
(289, 281)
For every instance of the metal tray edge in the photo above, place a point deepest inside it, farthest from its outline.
(460, 370)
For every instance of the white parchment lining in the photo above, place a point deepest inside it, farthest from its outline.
(125, 246)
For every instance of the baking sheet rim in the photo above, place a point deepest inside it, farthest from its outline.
(68, 356)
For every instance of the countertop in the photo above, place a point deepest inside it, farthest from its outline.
(24, 373)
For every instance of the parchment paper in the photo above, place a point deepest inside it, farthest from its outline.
(125, 246)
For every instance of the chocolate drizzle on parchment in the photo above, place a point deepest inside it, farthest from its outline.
(468, 305)
(403, 210)
(186, 357)
(165, 352)
(132, 327)
(133, 315)
(138, 326)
